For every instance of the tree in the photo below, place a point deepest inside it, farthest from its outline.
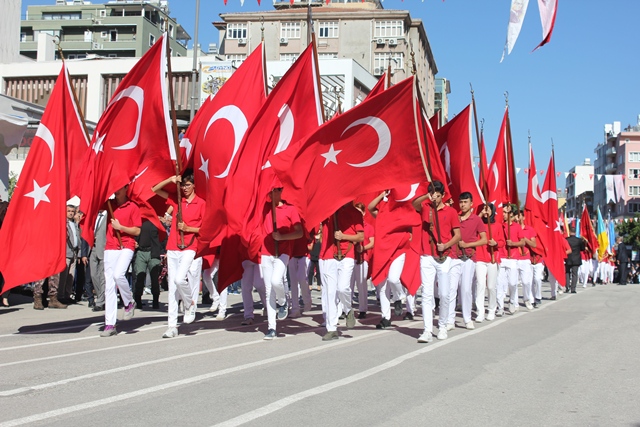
(630, 231)
(13, 180)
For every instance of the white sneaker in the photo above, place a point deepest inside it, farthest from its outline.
(426, 337)
(479, 319)
(513, 308)
(528, 305)
(469, 325)
(221, 315)
(451, 326)
(214, 306)
(500, 312)
(190, 314)
(442, 334)
(490, 316)
(170, 333)
(584, 286)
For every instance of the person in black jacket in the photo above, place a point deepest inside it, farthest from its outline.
(623, 258)
(574, 260)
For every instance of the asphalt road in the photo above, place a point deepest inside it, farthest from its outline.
(573, 362)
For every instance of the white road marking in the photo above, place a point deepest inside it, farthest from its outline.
(187, 381)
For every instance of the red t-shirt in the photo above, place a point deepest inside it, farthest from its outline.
(470, 230)
(192, 215)
(529, 233)
(482, 252)
(128, 214)
(448, 221)
(350, 221)
(516, 232)
(286, 219)
(369, 232)
(300, 247)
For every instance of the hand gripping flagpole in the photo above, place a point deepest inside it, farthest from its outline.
(174, 127)
(427, 166)
(483, 178)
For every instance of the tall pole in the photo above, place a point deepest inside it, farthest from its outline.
(194, 71)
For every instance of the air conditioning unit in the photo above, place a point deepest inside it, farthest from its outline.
(393, 42)
(102, 13)
(378, 71)
(380, 41)
(284, 40)
(97, 46)
(242, 41)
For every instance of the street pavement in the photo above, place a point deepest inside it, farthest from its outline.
(571, 362)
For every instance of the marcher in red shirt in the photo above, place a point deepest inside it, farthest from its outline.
(487, 262)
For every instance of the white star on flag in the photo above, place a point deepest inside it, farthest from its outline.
(184, 142)
(205, 166)
(330, 156)
(39, 194)
(97, 146)
(558, 226)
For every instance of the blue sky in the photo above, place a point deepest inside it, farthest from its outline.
(567, 90)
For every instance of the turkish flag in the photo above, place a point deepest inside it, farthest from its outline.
(502, 172)
(36, 215)
(555, 257)
(216, 136)
(190, 137)
(483, 170)
(587, 232)
(435, 121)
(456, 154)
(382, 85)
(133, 135)
(392, 238)
(535, 216)
(434, 164)
(373, 146)
(292, 111)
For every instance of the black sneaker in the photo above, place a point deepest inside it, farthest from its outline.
(98, 308)
(283, 311)
(553, 298)
(397, 308)
(362, 315)
(407, 316)
(271, 334)
(384, 323)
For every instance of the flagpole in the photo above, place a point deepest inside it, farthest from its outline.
(174, 127)
(483, 178)
(427, 167)
(194, 71)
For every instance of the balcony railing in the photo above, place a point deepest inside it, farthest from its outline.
(610, 168)
(611, 151)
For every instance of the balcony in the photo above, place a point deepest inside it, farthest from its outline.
(611, 168)
(611, 151)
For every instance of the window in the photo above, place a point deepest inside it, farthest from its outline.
(113, 35)
(389, 29)
(152, 39)
(237, 31)
(634, 190)
(288, 57)
(381, 60)
(328, 30)
(633, 207)
(290, 30)
(634, 156)
(170, 30)
(327, 55)
(634, 174)
(236, 59)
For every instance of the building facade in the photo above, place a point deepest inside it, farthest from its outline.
(619, 155)
(360, 30)
(120, 28)
(579, 189)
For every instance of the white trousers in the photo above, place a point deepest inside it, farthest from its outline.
(359, 282)
(298, 268)
(273, 271)
(336, 289)
(467, 273)
(251, 278)
(507, 278)
(583, 272)
(220, 297)
(116, 263)
(391, 283)
(455, 273)
(554, 284)
(538, 273)
(486, 278)
(430, 270)
(183, 277)
(525, 273)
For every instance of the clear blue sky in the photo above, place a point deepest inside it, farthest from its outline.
(567, 90)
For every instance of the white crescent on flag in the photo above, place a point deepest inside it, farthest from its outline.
(384, 139)
(45, 134)
(137, 94)
(236, 117)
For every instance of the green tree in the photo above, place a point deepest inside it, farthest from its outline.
(630, 231)
(13, 180)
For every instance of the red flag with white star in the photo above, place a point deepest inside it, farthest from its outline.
(373, 146)
(37, 213)
(133, 138)
(555, 256)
